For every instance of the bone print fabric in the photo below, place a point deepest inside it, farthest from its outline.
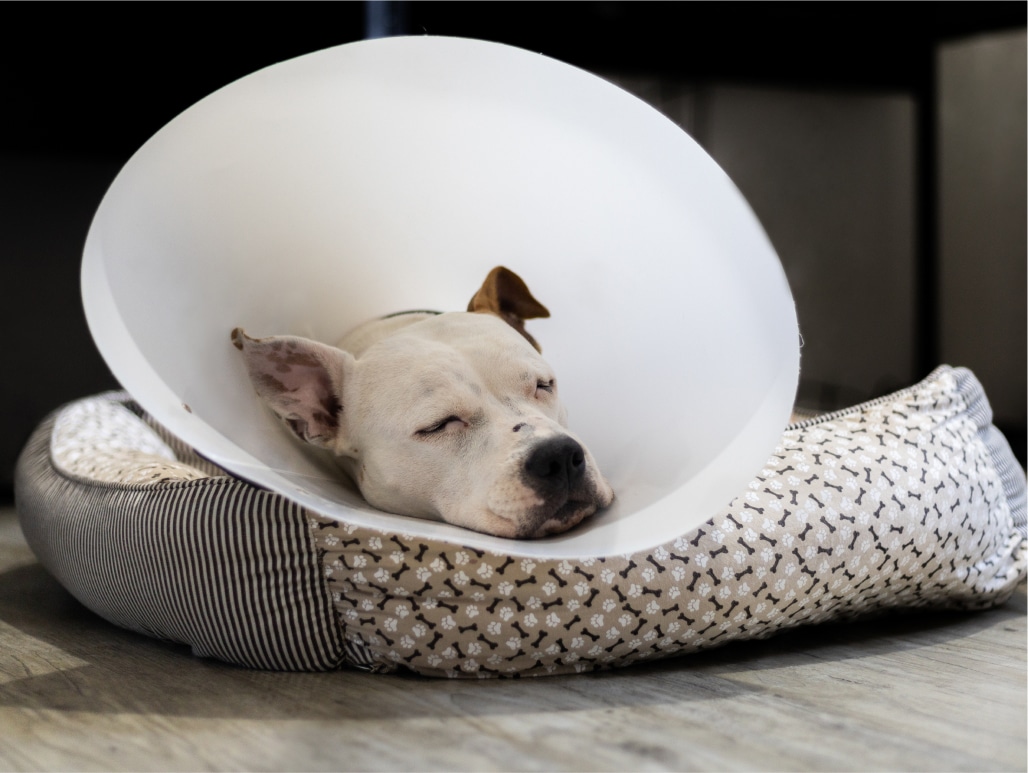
(911, 501)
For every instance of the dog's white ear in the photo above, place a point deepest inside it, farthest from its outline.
(300, 380)
(505, 294)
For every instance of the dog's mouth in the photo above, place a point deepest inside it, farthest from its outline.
(565, 517)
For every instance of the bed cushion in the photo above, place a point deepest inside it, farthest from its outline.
(912, 500)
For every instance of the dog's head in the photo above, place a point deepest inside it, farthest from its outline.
(448, 416)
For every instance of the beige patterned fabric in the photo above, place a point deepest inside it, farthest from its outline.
(908, 501)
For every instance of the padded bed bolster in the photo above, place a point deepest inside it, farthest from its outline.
(214, 563)
(1000, 454)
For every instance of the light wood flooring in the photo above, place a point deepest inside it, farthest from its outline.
(918, 692)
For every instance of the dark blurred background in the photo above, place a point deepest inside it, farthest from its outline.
(882, 145)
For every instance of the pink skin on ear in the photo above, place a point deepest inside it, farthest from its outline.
(300, 380)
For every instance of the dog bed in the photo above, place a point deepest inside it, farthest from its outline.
(912, 500)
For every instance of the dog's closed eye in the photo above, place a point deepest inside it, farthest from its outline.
(547, 387)
(450, 422)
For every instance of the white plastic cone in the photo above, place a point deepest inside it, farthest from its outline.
(393, 174)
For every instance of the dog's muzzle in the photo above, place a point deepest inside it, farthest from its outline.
(556, 470)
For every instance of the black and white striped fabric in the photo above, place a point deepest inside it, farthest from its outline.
(214, 562)
(913, 500)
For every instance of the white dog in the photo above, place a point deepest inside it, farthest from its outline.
(451, 416)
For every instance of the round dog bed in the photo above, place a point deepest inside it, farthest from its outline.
(388, 175)
(913, 500)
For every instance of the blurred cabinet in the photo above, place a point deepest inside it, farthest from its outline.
(983, 250)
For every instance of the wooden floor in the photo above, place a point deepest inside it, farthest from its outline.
(925, 692)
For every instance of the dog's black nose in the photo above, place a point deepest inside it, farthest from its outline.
(556, 464)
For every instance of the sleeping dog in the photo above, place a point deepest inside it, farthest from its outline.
(448, 416)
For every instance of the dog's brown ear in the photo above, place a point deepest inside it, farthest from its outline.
(300, 380)
(505, 294)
